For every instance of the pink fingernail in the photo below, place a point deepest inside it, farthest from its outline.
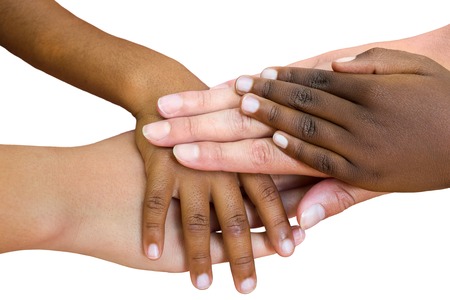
(156, 131)
(187, 152)
(250, 104)
(312, 216)
(244, 84)
(269, 73)
(280, 140)
(170, 104)
(153, 251)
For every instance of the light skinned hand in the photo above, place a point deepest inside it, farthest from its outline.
(389, 131)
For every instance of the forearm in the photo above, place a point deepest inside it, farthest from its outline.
(68, 199)
(433, 44)
(50, 38)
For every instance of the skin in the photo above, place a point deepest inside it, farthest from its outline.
(251, 148)
(50, 38)
(88, 200)
(335, 121)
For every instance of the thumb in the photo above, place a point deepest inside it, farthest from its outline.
(327, 198)
(384, 61)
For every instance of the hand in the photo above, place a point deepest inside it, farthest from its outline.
(384, 132)
(195, 189)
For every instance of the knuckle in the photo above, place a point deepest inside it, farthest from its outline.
(239, 123)
(344, 199)
(261, 152)
(306, 126)
(318, 79)
(267, 88)
(191, 126)
(237, 225)
(155, 205)
(273, 114)
(204, 98)
(323, 164)
(200, 258)
(197, 223)
(299, 97)
(269, 194)
(243, 261)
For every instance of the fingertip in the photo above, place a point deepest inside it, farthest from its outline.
(170, 104)
(153, 252)
(312, 216)
(244, 84)
(299, 235)
(203, 281)
(269, 73)
(280, 140)
(247, 285)
(186, 152)
(345, 59)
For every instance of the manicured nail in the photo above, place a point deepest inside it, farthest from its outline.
(170, 104)
(248, 285)
(269, 73)
(312, 216)
(153, 251)
(156, 131)
(345, 59)
(187, 152)
(250, 104)
(287, 247)
(280, 140)
(299, 235)
(203, 281)
(244, 84)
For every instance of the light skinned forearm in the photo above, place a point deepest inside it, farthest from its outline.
(52, 39)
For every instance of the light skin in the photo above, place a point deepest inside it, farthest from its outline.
(88, 200)
(251, 148)
(385, 132)
(52, 39)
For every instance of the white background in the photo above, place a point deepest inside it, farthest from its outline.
(392, 247)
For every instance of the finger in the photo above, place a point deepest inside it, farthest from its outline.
(197, 102)
(321, 159)
(233, 221)
(222, 126)
(304, 126)
(298, 97)
(195, 210)
(385, 61)
(158, 194)
(260, 244)
(246, 156)
(328, 198)
(343, 85)
(264, 194)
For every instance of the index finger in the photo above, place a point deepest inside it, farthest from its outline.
(194, 103)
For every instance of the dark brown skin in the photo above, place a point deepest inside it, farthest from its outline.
(50, 38)
(380, 121)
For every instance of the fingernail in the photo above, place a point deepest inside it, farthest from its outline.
(153, 251)
(280, 140)
(345, 59)
(287, 247)
(187, 152)
(269, 73)
(170, 104)
(203, 281)
(299, 235)
(244, 84)
(250, 104)
(312, 216)
(156, 131)
(248, 285)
